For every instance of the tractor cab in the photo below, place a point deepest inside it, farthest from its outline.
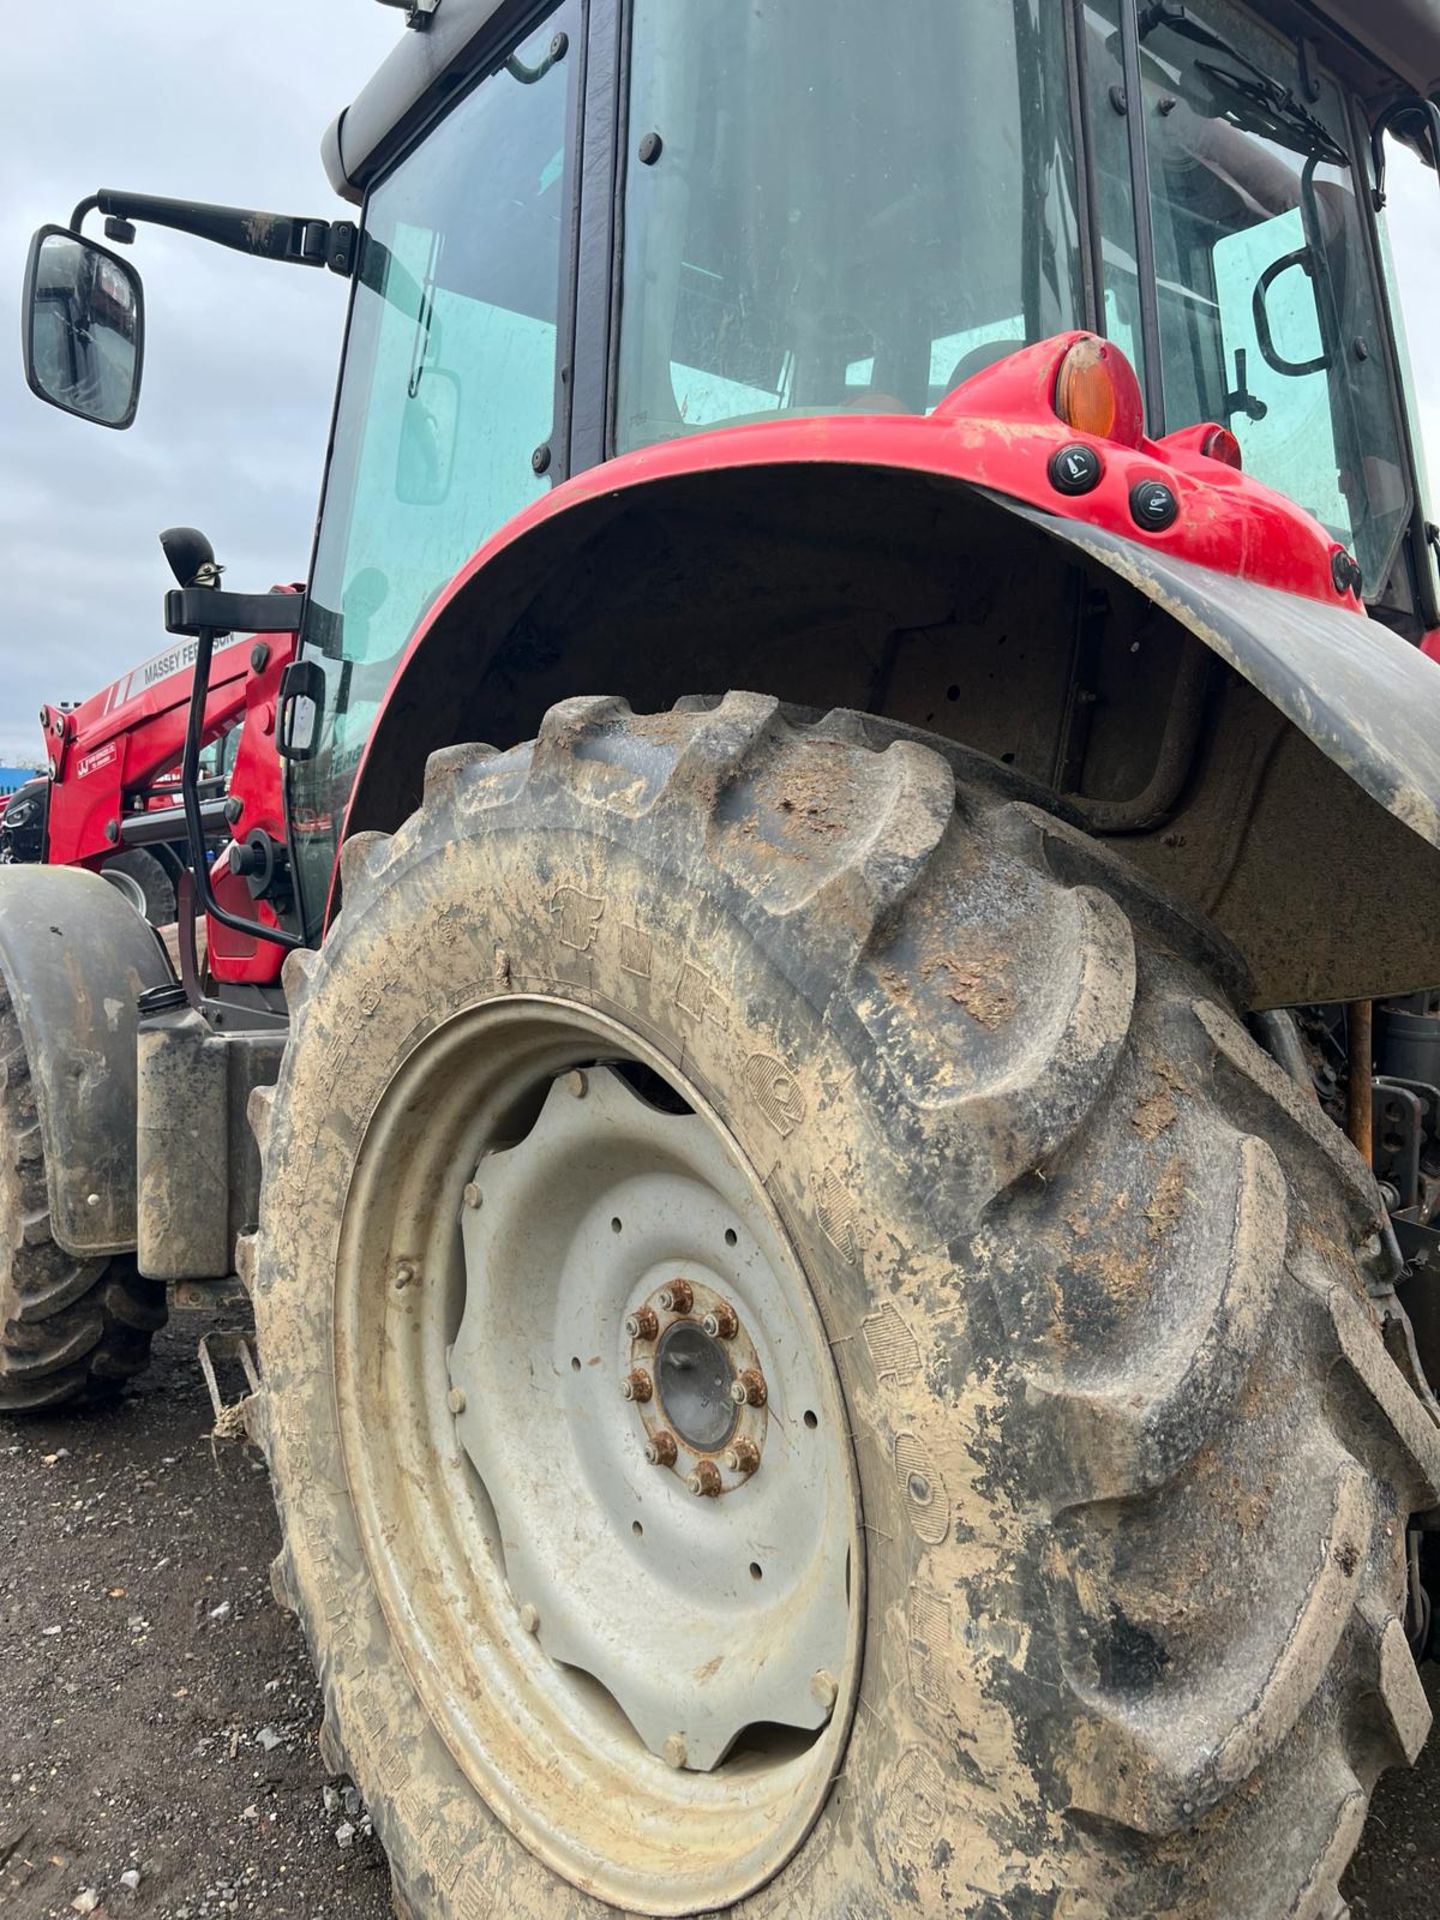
(612, 237)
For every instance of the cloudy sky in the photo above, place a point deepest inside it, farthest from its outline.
(226, 102)
(221, 100)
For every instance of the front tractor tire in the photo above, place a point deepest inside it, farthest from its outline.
(1061, 1570)
(71, 1331)
(143, 879)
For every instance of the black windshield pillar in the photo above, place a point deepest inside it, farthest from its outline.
(596, 290)
(1154, 381)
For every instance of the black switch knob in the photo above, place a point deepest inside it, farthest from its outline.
(1075, 469)
(1154, 506)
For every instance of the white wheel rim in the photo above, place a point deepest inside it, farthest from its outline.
(128, 887)
(655, 1720)
(702, 1613)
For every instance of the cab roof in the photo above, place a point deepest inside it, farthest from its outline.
(1404, 35)
(1382, 46)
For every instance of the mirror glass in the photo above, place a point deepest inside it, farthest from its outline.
(84, 328)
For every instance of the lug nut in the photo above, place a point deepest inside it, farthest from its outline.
(661, 1450)
(723, 1323)
(748, 1389)
(678, 1297)
(704, 1482)
(643, 1324)
(637, 1386)
(743, 1457)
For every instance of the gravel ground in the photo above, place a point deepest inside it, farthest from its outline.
(157, 1714)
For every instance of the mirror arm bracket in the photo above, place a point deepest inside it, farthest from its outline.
(1398, 110)
(272, 236)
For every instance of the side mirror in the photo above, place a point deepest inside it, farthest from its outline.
(84, 328)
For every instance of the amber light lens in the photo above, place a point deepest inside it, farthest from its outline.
(1220, 444)
(1097, 392)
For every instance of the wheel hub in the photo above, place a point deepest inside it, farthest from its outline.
(694, 1377)
(692, 1381)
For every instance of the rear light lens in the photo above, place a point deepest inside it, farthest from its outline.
(1220, 444)
(1097, 393)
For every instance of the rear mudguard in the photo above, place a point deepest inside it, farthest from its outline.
(848, 563)
(74, 957)
(1366, 698)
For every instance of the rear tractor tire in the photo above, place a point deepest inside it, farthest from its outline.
(71, 1331)
(813, 1369)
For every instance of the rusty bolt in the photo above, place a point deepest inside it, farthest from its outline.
(743, 1457)
(406, 1273)
(473, 1195)
(678, 1297)
(825, 1689)
(676, 1753)
(704, 1482)
(748, 1389)
(577, 1083)
(530, 1618)
(455, 1399)
(642, 1324)
(637, 1385)
(661, 1450)
(722, 1323)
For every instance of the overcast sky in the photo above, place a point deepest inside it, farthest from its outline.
(226, 102)
(210, 101)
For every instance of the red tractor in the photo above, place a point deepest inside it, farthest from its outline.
(843, 1236)
(110, 798)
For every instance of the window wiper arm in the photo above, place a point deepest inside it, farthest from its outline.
(1257, 87)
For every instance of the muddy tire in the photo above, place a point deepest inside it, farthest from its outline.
(145, 882)
(70, 1330)
(1104, 1298)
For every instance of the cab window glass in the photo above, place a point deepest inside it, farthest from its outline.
(1269, 314)
(449, 387)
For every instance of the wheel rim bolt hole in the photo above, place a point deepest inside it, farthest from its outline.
(731, 1237)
